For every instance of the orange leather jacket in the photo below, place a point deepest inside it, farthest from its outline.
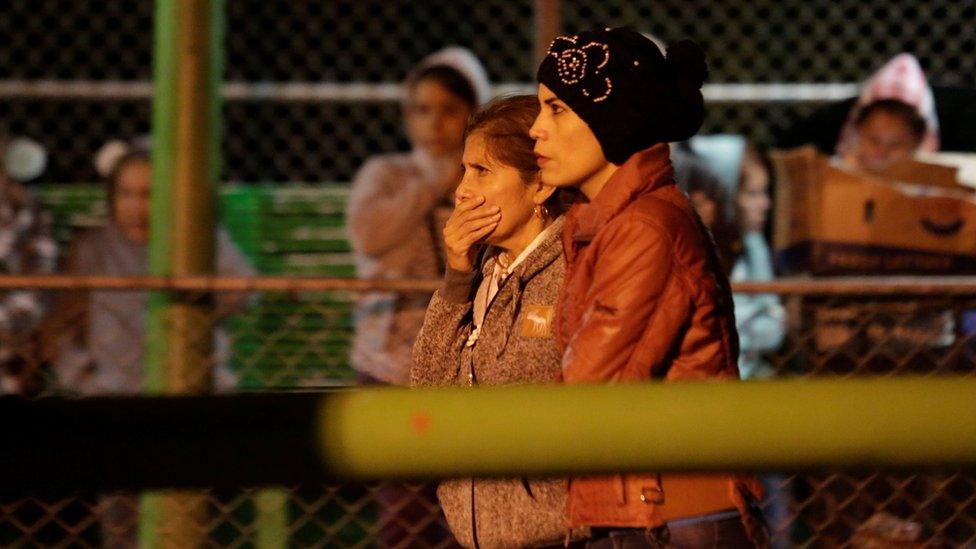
(645, 299)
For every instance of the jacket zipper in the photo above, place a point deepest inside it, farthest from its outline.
(472, 379)
(474, 521)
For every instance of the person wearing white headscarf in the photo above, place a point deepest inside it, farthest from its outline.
(399, 205)
(900, 79)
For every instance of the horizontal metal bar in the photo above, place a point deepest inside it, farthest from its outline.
(76, 89)
(780, 92)
(263, 439)
(387, 91)
(681, 426)
(59, 445)
(864, 286)
(851, 286)
(214, 284)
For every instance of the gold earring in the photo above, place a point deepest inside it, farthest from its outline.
(541, 212)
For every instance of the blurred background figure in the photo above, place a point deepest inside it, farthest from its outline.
(743, 172)
(948, 112)
(893, 118)
(760, 318)
(744, 175)
(101, 334)
(712, 201)
(886, 132)
(400, 203)
(399, 206)
(26, 248)
(99, 337)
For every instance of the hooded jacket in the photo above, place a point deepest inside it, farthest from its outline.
(515, 344)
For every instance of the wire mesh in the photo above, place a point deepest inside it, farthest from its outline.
(795, 41)
(275, 340)
(377, 42)
(287, 340)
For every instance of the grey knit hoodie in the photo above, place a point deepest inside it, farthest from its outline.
(516, 345)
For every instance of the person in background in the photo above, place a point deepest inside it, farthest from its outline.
(712, 201)
(745, 172)
(102, 333)
(760, 318)
(26, 248)
(399, 205)
(894, 117)
(396, 215)
(887, 131)
(100, 336)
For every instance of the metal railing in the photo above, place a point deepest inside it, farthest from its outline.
(291, 333)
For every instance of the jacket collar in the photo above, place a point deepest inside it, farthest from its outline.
(642, 173)
(545, 253)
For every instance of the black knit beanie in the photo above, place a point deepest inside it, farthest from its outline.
(629, 94)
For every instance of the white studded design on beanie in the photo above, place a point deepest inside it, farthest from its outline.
(572, 63)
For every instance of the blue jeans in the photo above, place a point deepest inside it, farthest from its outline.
(721, 532)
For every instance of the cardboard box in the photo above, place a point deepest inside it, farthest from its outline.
(915, 218)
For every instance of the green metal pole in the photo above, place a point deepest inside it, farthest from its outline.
(272, 518)
(186, 115)
(193, 190)
(690, 426)
(163, 153)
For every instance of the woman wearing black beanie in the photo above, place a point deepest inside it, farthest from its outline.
(645, 297)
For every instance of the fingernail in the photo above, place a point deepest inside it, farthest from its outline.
(496, 209)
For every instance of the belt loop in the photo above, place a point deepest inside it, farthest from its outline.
(653, 495)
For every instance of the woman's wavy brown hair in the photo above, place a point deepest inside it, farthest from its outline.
(504, 123)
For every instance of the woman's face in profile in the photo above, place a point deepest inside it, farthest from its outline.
(435, 118)
(568, 152)
(501, 186)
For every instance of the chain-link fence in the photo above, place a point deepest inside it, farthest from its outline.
(308, 98)
(76, 74)
(293, 334)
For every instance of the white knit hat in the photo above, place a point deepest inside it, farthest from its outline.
(466, 63)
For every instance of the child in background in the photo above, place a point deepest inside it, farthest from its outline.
(100, 336)
(893, 118)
